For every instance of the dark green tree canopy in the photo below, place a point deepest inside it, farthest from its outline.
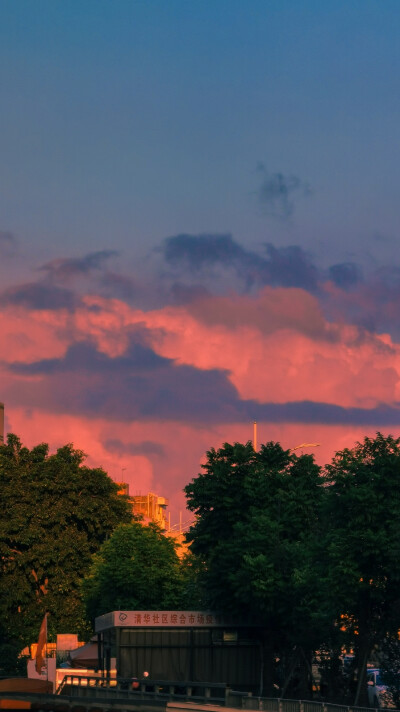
(255, 512)
(56, 514)
(313, 556)
(256, 520)
(362, 508)
(361, 546)
(137, 568)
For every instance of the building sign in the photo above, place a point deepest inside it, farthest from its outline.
(162, 619)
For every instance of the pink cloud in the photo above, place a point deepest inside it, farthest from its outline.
(31, 335)
(274, 348)
(342, 365)
(271, 310)
(285, 352)
(184, 446)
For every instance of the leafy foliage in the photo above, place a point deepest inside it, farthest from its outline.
(256, 518)
(390, 668)
(137, 568)
(12, 663)
(361, 573)
(56, 514)
(314, 559)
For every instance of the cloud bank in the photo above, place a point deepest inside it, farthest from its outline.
(145, 388)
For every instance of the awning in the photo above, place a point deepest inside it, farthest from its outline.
(86, 656)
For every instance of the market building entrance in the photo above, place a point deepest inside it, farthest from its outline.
(181, 645)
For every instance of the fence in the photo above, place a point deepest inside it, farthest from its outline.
(194, 692)
(275, 704)
(110, 699)
(207, 692)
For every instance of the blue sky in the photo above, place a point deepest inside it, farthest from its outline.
(126, 122)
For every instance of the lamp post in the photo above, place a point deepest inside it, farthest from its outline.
(292, 449)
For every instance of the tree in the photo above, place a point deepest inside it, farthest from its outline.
(390, 669)
(361, 548)
(12, 663)
(137, 568)
(56, 514)
(256, 517)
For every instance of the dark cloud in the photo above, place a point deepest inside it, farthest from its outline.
(65, 269)
(345, 275)
(8, 244)
(277, 191)
(36, 295)
(145, 447)
(289, 267)
(83, 356)
(218, 265)
(285, 266)
(139, 384)
(370, 301)
(200, 255)
(142, 385)
(199, 251)
(326, 414)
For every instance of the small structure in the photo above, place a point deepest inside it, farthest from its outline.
(86, 656)
(60, 657)
(182, 646)
(150, 506)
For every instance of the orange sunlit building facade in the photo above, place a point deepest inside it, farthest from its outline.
(152, 508)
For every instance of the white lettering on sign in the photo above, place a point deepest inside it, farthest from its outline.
(160, 619)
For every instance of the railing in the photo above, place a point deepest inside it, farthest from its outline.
(195, 692)
(206, 692)
(110, 698)
(275, 704)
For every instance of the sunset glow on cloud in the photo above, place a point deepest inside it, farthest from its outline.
(198, 229)
(145, 392)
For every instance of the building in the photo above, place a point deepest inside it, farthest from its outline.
(150, 506)
(180, 646)
(1, 423)
(181, 546)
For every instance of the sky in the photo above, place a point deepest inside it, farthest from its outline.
(199, 211)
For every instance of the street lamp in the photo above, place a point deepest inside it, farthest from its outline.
(292, 449)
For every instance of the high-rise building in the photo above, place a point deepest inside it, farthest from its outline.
(1, 422)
